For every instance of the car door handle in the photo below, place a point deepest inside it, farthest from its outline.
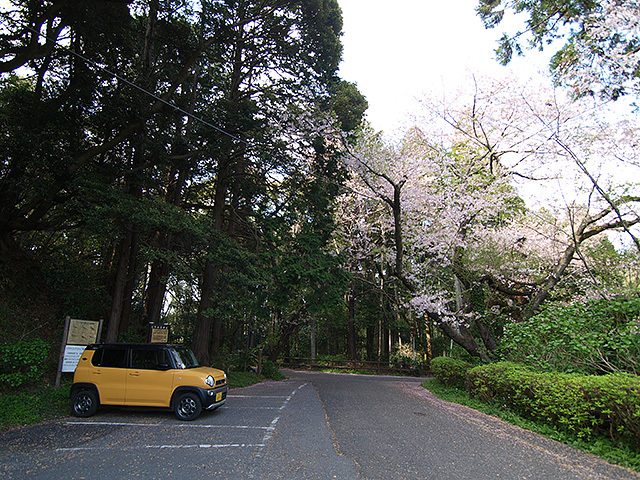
(134, 374)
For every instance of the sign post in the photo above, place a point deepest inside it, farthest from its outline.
(158, 333)
(77, 335)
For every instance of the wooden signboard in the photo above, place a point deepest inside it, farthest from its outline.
(77, 335)
(158, 333)
(82, 332)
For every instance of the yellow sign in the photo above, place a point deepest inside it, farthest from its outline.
(159, 334)
(82, 332)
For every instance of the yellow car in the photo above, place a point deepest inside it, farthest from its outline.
(146, 375)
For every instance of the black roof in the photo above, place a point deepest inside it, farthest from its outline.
(95, 346)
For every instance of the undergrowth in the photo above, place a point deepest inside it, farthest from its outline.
(599, 446)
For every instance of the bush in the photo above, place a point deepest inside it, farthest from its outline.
(450, 371)
(600, 336)
(270, 370)
(23, 363)
(584, 405)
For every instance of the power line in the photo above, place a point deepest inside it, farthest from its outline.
(138, 87)
(171, 105)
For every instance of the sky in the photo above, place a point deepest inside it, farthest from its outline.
(396, 51)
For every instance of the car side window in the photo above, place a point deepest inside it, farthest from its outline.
(110, 357)
(147, 359)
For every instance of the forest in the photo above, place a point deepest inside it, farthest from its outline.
(201, 164)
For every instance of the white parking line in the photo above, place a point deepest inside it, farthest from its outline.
(162, 447)
(272, 427)
(257, 396)
(240, 407)
(169, 425)
(269, 430)
(230, 445)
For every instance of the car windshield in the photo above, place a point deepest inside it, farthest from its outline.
(184, 358)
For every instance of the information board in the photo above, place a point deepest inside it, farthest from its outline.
(72, 354)
(77, 335)
(158, 333)
(82, 332)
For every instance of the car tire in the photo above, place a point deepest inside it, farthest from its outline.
(188, 406)
(84, 403)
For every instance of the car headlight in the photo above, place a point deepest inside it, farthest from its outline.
(210, 381)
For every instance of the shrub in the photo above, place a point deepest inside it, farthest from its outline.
(600, 336)
(23, 363)
(270, 370)
(450, 371)
(584, 405)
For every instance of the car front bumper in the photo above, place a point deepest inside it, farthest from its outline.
(214, 398)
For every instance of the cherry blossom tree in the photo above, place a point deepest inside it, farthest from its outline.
(460, 239)
(601, 50)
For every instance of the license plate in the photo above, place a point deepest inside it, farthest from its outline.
(218, 396)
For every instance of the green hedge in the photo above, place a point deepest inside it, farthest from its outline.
(584, 405)
(450, 371)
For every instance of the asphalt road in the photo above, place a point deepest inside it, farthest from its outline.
(311, 426)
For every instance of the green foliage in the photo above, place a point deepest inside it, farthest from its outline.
(594, 337)
(348, 104)
(33, 406)
(584, 406)
(121, 196)
(269, 369)
(603, 447)
(450, 371)
(23, 363)
(242, 379)
(590, 33)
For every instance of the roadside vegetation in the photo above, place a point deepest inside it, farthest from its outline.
(34, 405)
(567, 373)
(603, 447)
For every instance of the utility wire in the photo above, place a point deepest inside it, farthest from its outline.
(137, 87)
(173, 106)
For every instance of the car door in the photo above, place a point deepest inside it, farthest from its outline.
(149, 378)
(109, 374)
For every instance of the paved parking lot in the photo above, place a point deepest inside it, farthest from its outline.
(248, 423)
(130, 443)
(313, 426)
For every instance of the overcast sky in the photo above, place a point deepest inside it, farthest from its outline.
(395, 51)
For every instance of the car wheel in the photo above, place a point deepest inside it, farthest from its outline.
(188, 406)
(85, 403)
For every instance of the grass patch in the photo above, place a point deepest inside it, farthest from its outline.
(33, 406)
(242, 379)
(350, 371)
(601, 447)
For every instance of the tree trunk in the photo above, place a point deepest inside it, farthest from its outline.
(127, 298)
(487, 337)
(113, 325)
(156, 289)
(313, 338)
(283, 341)
(351, 314)
(553, 280)
(202, 333)
(371, 342)
(463, 337)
